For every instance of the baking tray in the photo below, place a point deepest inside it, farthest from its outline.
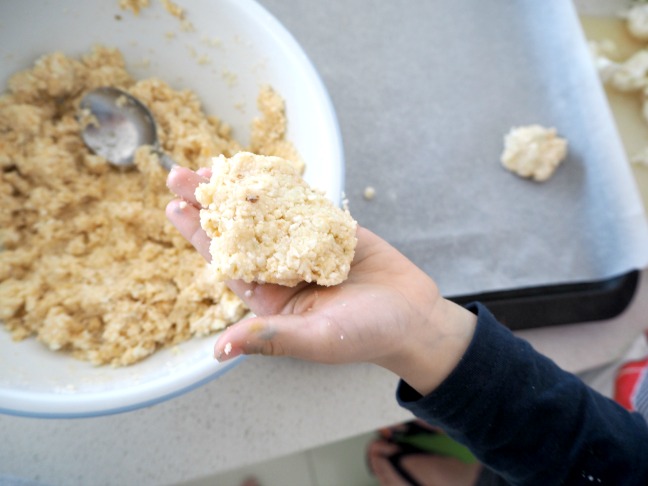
(553, 305)
(423, 111)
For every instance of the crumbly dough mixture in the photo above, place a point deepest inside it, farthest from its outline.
(629, 75)
(137, 5)
(268, 225)
(637, 21)
(89, 263)
(134, 5)
(533, 151)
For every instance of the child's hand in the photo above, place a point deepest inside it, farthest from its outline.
(387, 312)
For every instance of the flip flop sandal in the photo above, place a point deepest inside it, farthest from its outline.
(396, 461)
(416, 439)
(424, 440)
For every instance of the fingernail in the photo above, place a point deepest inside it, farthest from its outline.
(227, 353)
(179, 207)
(170, 175)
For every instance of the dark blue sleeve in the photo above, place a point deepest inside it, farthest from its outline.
(529, 420)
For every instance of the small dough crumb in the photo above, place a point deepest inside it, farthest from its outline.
(228, 348)
(533, 151)
(602, 54)
(369, 193)
(173, 9)
(268, 225)
(632, 74)
(637, 21)
(134, 5)
(641, 158)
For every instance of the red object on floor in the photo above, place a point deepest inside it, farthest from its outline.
(627, 381)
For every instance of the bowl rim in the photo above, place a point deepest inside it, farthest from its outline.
(54, 406)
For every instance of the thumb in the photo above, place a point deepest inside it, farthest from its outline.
(276, 335)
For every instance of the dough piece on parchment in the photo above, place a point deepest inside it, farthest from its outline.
(533, 151)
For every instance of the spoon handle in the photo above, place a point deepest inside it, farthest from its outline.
(165, 160)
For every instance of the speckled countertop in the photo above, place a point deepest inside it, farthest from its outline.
(264, 407)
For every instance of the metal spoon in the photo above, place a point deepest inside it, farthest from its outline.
(124, 123)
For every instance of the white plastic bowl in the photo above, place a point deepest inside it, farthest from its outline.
(240, 39)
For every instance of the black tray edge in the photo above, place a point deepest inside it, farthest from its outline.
(554, 305)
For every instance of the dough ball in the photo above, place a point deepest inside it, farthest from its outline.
(268, 225)
(533, 151)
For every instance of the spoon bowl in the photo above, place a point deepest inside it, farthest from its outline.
(119, 125)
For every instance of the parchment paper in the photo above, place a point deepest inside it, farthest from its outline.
(425, 92)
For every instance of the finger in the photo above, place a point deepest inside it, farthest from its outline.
(186, 218)
(388, 432)
(265, 298)
(205, 172)
(261, 298)
(276, 335)
(183, 183)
